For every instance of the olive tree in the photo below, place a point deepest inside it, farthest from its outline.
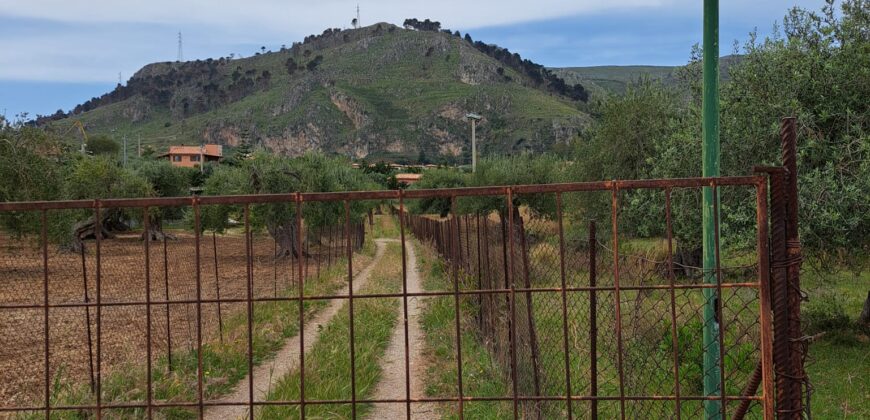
(270, 174)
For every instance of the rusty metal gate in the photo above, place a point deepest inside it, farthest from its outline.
(582, 320)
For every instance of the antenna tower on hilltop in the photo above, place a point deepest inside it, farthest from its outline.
(180, 49)
(358, 22)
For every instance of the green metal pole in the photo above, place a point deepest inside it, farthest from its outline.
(710, 156)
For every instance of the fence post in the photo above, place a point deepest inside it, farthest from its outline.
(88, 318)
(788, 139)
(166, 294)
(533, 336)
(593, 323)
(217, 285)
(779, 293)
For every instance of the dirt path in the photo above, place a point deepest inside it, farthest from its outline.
(287, 359)
(392, 384)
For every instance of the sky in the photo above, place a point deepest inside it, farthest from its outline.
(55, 54)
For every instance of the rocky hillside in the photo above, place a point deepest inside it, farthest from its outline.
(378, 92)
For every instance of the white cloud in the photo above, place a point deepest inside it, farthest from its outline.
(87, 41)
(282, 15)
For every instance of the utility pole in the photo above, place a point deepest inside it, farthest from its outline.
(125, 150)
(180, 49)
(358, 23)
(474, 118)
(139, 144)
(710, 157)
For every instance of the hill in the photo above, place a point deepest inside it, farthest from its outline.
(377, 92)
(614, 79)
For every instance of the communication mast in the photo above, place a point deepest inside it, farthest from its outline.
(180, 49)
(358, 22)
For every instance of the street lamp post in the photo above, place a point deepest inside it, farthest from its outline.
(474, 118)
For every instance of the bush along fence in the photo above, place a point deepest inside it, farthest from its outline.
(584, 318)
(613, 325)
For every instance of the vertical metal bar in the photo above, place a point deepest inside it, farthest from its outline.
(199, 373)
(329, 251)
(467, 244)
(98, 238)
(88, 318)
(300, 285)
(275, 267)
(487, 274)
(565, 348)
(350, 307)
(671, 281)
(779, 291)
(147, 237)
(788, 136)
(478, 273)
(720, 321)
(457, 243)
(319, 248)
(249, 286)
(593, 321)
(166, 293)
(533, 336)
(764, 301)
(306, 245)
(405, 304)
(45, 326)
(710, 168)
(614, 190)
(512, 297)
(217, 286)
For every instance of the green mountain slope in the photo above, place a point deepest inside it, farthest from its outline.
(614, 79)
(379, 92)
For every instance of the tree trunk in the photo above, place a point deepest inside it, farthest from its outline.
(864, 318)
(86, 229)
(285, 237)
(155, 231)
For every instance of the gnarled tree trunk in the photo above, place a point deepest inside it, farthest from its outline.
(87, 229)
(285, 238)
(155, 231)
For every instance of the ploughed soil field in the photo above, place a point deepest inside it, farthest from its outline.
(72, 280)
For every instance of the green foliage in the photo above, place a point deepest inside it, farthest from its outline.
(102, 177)
(825, 312)
(270, 174)
(522, 169)
(102, 145)
(817, 73)
(31, 168)
(434, 179)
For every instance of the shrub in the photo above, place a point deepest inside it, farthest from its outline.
(825, 313)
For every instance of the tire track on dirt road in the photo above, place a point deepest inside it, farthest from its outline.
(287, 359)
(392, 383)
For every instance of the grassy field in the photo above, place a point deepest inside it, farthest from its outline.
(839, 361)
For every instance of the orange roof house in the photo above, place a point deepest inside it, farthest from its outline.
(193, 156)
(408, 179)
